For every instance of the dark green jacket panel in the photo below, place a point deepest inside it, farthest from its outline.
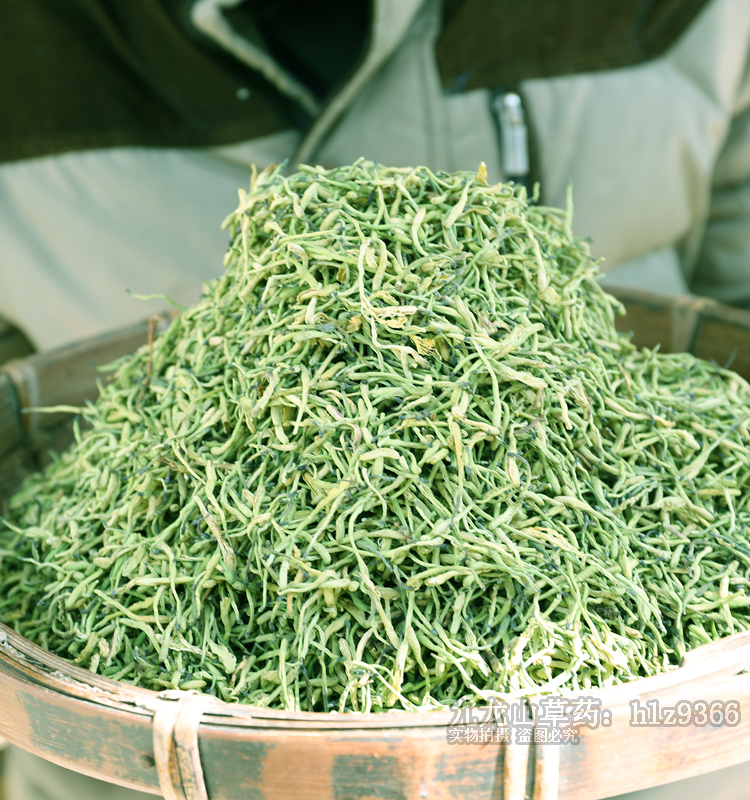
(81, 74)
(488, 43)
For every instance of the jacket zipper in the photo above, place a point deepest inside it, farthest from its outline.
(510, 118)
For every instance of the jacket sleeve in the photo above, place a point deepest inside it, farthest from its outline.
(722, 269)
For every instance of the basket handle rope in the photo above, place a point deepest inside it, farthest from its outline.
(515, 770)
(686, 314)
(545, 767)
(175, 732)
(546, 771)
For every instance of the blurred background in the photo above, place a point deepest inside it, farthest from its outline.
(127, 126)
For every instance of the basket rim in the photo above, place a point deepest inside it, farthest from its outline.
(722, 666)
(729, 656)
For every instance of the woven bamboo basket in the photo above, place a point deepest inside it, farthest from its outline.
(193, 747)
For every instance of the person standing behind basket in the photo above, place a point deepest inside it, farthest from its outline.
(126, 127)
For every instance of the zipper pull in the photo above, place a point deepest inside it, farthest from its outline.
(507, 109)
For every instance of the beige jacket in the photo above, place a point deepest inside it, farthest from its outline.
(659, 156)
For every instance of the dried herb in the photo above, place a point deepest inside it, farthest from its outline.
(397, 454)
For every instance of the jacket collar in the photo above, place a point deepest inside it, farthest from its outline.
(208, 17)
(390, 21)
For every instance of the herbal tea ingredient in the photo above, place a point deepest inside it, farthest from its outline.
(396, 455)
